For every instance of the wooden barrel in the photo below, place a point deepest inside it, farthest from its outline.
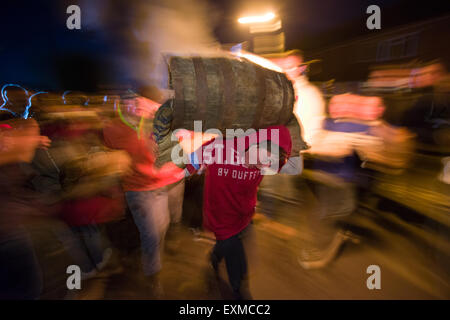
(228, 93)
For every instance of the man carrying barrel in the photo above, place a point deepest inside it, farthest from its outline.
(234, 168)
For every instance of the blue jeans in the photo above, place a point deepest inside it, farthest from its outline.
(81, 244)
(332, 206)
(94, 241)
(152, 212)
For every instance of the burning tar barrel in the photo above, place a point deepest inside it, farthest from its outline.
(224, 93)
(228, 93)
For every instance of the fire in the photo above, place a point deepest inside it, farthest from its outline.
(263, 62)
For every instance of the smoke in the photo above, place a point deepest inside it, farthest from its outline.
(145, 32)
(173, 27)
(176, 25)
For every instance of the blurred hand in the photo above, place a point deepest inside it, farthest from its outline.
(201, 170)
(191, 141)
(44, 142)
(123, 162)
(141, 107)
(332, 144)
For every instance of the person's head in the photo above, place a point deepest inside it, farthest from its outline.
(291, 62)
(266, 156)
(138, 106)
(15, 99)
(427, 75)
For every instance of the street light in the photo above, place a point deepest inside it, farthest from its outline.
(266, 32)
(257, 19)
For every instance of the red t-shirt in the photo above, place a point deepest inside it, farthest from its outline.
(145, 176)
(230, 189)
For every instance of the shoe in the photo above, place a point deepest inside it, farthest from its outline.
(106, 257)
(110, 264)
(242, 295)
(350, 236)
(88, 275)
(316, 259)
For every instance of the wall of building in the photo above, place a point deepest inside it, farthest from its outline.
(352, 60)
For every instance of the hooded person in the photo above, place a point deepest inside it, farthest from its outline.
(234, 168)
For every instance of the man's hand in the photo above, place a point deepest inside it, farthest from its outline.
(44, 142)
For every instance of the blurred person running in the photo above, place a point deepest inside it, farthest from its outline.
(154, 195)
(330, 182)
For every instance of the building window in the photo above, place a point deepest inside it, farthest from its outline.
(383, 51)
(397, 48)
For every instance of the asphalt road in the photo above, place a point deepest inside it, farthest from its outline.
(412, 256)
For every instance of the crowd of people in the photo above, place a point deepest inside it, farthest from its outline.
(75, 162)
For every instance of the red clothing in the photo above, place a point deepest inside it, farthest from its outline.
(230, 189)
(93, 210)
(145, 176)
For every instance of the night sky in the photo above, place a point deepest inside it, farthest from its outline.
(38, 51)
(310, 24)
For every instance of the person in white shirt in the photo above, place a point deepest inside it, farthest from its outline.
(309, 108)
(322, 238)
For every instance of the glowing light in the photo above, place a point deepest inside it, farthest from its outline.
(257, 19)
(64, 95)
(5, 97)
(263, 62)
(26, 113)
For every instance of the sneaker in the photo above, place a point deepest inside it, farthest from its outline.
(110, 264)
(88, 275)
(316, 259)
(106, 258)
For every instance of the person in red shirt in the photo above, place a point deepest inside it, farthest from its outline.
(233, 170)
(154, 195)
